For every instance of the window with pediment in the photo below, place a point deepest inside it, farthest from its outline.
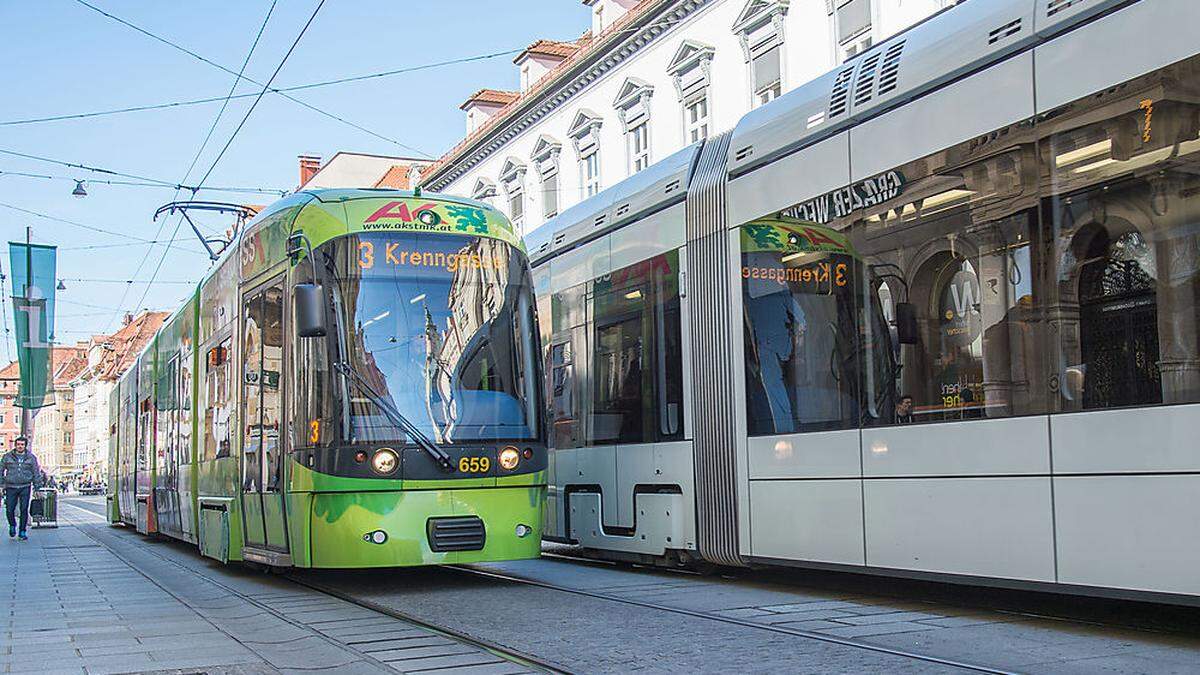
(633, 108)
(585, 135)
(690, 71)
(512, 178)
(851, 22)
(759, 28)
(484, 191)
(545, 160)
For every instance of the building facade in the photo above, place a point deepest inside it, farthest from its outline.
(54, 424)
(649, 78)
(105, 358)
(10, 414)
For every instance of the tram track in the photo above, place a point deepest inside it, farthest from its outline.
(528, 661)
(734, 621)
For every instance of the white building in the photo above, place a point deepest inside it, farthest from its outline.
(107, 358)
(647, 79)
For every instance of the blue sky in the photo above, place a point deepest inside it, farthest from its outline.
(60, 57)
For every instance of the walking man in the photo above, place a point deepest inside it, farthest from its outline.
(19, 470)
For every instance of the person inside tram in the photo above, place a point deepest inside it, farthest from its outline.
(904, 409)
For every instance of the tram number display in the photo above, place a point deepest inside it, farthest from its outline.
(474, 464)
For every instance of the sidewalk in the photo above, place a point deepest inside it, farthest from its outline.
(75, 606)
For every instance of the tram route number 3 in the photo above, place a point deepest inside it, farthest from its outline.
(474, 464)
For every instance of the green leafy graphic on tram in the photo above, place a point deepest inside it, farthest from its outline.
(765, 237)
(468, 219)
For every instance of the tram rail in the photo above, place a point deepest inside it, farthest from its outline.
(525, 660)
(795, 632)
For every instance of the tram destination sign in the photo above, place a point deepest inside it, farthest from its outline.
(843, 201)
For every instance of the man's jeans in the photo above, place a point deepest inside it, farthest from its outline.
(14, 498)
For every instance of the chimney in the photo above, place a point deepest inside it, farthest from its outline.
(309, 166)
(128, 319)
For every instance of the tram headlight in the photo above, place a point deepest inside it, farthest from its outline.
(509, 458)
(385, 460)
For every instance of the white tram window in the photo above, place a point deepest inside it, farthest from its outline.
(1121, 212)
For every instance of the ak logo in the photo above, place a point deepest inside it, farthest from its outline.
(376, 537)
(398, 211)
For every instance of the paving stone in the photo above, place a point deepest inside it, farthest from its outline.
(308, 652)
(814, 625)
(438, 662)
(889, 617)
(879, 629)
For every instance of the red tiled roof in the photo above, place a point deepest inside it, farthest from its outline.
(396, 177)
(587, 44)
(548, 48)
(127, 343)
(494, 96)
(67, 362)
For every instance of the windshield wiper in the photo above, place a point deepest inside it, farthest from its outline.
(396, 417)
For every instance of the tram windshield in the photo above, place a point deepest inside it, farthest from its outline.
(439, 326)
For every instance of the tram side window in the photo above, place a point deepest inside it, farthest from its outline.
(802, 365)
(614, 358)
(957, 245)
(1122, 210)
(252, 396)
(637, 389)
(219, 399)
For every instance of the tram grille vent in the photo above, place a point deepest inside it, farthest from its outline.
(865, 81)
(743, 153)
(622, 210)
(463, 533)
(671, 187)
(600, 219)
(558, 238)
(841, 90)
(1055, 6)
(1011, 28)
(889, 71)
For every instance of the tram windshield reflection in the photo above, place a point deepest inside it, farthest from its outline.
(441, 327)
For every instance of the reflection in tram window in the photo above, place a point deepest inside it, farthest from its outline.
(1122, 173)
(955, 249)
(615, 357)
(802, 365)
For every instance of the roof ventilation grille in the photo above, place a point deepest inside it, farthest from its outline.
(743, 153)
(889, 71)
(622, 210)
(671, 187)
(865, 81)
(1011, 28)
(841, 89)
(1055, 6)
(558, 238)
(544, 247)
(600, 219)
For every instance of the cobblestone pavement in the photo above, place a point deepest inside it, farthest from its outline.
(89, 598)
(635, 619)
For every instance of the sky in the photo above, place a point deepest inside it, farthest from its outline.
(60, 57)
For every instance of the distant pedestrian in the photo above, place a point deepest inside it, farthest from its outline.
(19, 471)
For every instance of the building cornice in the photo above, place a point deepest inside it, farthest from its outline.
(614, 50)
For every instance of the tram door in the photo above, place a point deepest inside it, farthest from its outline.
(263, 505)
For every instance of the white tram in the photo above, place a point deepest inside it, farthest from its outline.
(1000, 386)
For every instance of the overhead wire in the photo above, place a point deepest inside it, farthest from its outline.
(85, 226)
(238, 77)
(141, 179)
(236, 131)
(214, 64)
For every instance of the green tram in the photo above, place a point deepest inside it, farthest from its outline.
(355, 383)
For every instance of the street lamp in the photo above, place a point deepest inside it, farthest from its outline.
(79, 192)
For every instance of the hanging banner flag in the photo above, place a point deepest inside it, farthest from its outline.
(33, 278)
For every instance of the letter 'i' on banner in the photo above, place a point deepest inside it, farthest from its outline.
(33, 275)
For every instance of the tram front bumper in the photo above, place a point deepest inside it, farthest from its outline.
(406, 528)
